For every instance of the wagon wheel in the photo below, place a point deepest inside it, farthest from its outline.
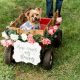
(8, 52)
(58, 38)
(48, 59)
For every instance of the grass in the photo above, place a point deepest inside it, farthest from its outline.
(67, 58)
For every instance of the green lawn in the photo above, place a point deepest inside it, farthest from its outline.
(67, 58)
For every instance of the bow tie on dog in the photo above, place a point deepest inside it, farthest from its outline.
(33, 16)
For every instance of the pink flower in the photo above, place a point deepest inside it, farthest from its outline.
(9, 42)
(59, 19)
(6, 43)
(46, 41)
(51, 31)
(30, 38)
(55, 28)
(3, 42)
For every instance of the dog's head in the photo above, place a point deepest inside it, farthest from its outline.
(34, 15)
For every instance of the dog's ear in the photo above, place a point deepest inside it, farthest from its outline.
(39, 10)
(27, 13)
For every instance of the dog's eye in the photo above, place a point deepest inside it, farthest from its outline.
(37, 14)
(32, 16)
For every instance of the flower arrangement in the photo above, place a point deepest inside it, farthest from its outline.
(11, 36)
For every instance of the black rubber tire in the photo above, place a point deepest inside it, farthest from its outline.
(8, 52)
(58, 39)
(48, 59)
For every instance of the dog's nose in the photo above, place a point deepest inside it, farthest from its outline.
(36, 19)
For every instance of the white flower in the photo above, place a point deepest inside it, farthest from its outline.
(14, 37)
(24, 36)
(5, 35)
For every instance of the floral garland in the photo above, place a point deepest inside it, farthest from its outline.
(10, 36)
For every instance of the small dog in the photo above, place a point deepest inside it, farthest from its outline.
(33, 16)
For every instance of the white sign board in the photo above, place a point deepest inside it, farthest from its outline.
(27, 52)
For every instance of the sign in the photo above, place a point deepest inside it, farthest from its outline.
(27, 52)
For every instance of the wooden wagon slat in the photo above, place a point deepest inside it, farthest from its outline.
(34, 32)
